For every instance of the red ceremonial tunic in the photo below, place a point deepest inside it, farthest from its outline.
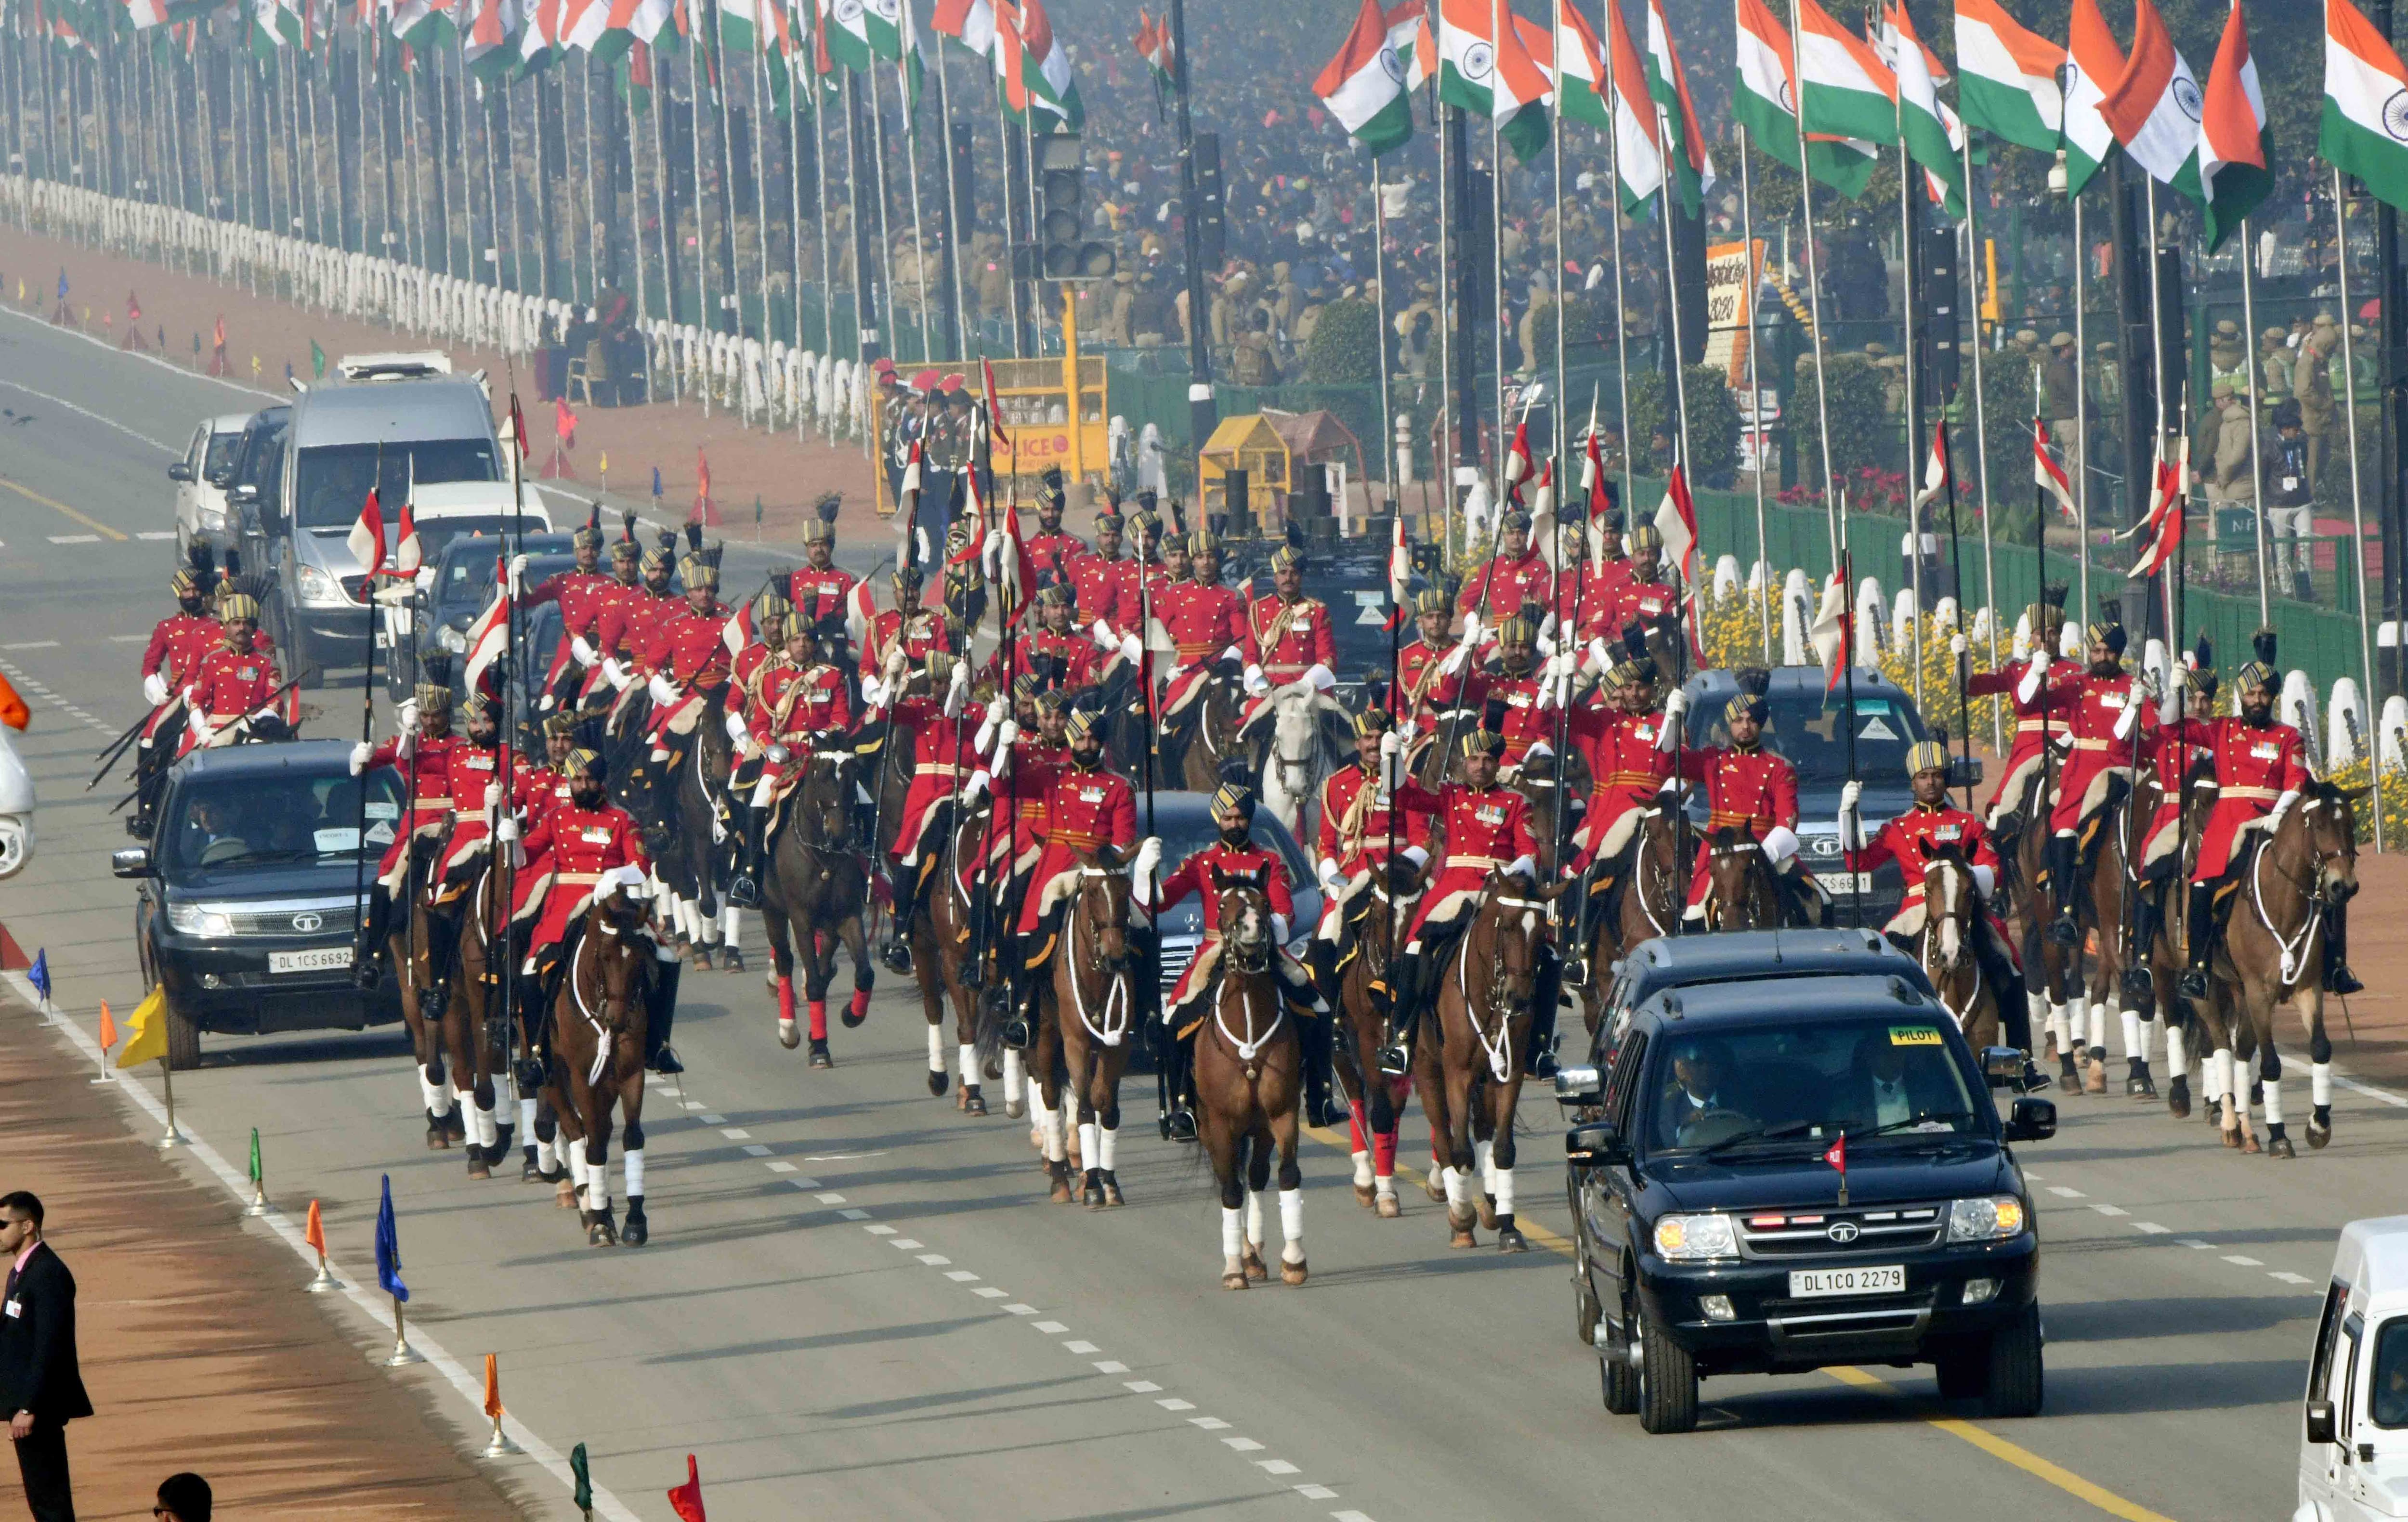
(1058, 553)
(1503, 585)
(1354, 824)
(1642, 602)
(2098, 704)
(1591, 609)
(1194, 875)
(1526, 722)
(1424, 691)
(2171, 758)
(227, 685)
(1204, 622)
(1627, 764)
(1293, 637)
(582, 596)
(1901, 841)
(579, 845)
(925, 633)
(173, 655)
(630, 623)
(2040, 717)
(1754, 789)
(1485, 829)
(1074, 649)
(818, 594)
(1098, 582)
(1088, 806)
(937, 770)
(2253, 767)
(427, 775)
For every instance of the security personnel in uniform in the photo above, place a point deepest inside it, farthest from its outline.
(818, 587)
(2110, 731)
(1746, 785)
(422, 752)
(232, 693)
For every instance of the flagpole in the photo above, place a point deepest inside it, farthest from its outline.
(761, 114)
(2256, 481)
(1914, 441)
(952, 220)
(1556, 431)
(1815, 318)
(911, 174)
(1754, 391)
(697, 78)
(1672, 290)
(634, 211)
(878, 170)
(2081, 414)
(2370, 741)
(732, 298)
(1496, 312)
(1012, 281)
(1613, 221)
(1442, 453)
(2157, 351)
(1380, 302)
(1982, 451)
(827, 241)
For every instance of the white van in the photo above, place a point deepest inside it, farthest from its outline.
(2354, 1451)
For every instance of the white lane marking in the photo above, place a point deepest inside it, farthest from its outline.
(780, 1166)
(710, 1119)
(2195, 1245)
(1050, 1328)
(1174, 1404)
(1082, 1347)
(906, 1245)
(831, 1198)
(736, 1133)
(935, 1259)
(1209, 1424)
(377, 1311)
(2242, 1261)
(159, 360)
(1017, 1309)
(2289, 1277)
(838, 1157)
(695, 1104)
(2151, 1229)
(961, 1275)
(1316, 1492)
(1110, 1366)
(2110, 1210)
(1244, 1444)
(2395, 1101)
(16, 674)
(1140, 1386)
(2064, 1193)
(1350, 1517)
(129, 639)
(74, 538)
(155, 534)
(880, 1229)
(756, 1150)
(33, 644)
(988, 1291)
(854, 1215)
(1277, 1466)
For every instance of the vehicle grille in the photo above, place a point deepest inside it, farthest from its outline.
(1820, 1233)
(1177, 952)
(332, 920)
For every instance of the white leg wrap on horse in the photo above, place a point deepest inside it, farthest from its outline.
(1088, 1146)
(1362, 1170)
(482, 1125)
(1015, 1076)
(734, 924)
(1504, 1191)
(936, 1049)
(1107, 1147)
(1233, 1225)
(2320, 1083)
(1483, 1162)
(634, 1159)
(2036, 1005)
(2057, 1027)
(1056, 1144)
(429, 1097)
(2135, 1041)
(2089, 1024)
(597, 1184)
(1253, 1220)
(968, 1057)
(1455, 1181)
(2177, 1058)
(1291, 1202)
(526, 1120)
(2218, 1075)
(1384, 1186)
(710, 927)
(2273, 1089)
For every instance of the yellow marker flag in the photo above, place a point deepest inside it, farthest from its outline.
(148, 1041)
(605, 461)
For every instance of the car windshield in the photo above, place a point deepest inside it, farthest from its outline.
(333, 480)
(1806, 728)
(259, 457)
(221, 450)
(464, 581)
(1189, 832)
(1888, 1079)
(2386, 1398)
(435, 534)
(284, 816)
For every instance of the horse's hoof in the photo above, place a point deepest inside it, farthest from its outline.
(478, 1166)
(1461, 1237)
(937, 1078)
(733, 962)
(2249, 1142)
(1013, 1109)
(1061, 1194)
(2232, 1138)
(2319, 1137)
(528, 1171)
(973, 1103)
(2178, 1098)
(1233, 1281)
(1365, 1196)
(1292, 1274)
(790, 1034)
(1509, 1240)
(602, 1235)
(1486, 1206)
(994, 1070)
(638, 1233)
(820, 1058)
(1093, 1195)
(1434, 1188)
(1387, 1209)
(2095, 1080)
(564, 1194)
(1255, 1268)
(851, 1019)
(2280, 1147)
(702, 960)
(455, 1123)
(1111, 1191)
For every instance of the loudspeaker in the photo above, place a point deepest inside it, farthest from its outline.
(1210, 231)
(1237, 490)
(1938, 310)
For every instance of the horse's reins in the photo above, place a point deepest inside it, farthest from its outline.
(1930, 925)
(1118, 998)
(818, 847)
(1250, 1046)
(1496, 1049)
(577, 993)
(2314, 891)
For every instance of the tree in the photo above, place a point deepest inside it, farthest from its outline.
(1344, 350)
(1713, 424)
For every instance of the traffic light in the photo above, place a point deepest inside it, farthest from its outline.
(1210, 232)
(1064, 250)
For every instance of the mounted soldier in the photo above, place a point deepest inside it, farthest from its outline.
(687, 661)
(2109, 730)
(632, 621)
(1750, 790)
(1358, 826)
(1429, 676)
(582, 592)
(798, 703)
(1628, 748)
(1087, 807)
(617, 592)
(2042, 694)
(929, 701)
(169, 662)
(233, 693)
(421, 750)
(819, 588)
(1057, 653)
(1054, 552)
(898, 639)
(1207, 621)
(1515, 574)
(1649, 595)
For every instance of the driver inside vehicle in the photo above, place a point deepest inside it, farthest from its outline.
(1700, 1086)
(214, 830)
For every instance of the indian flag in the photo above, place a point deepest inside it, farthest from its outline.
(1494, 77)
(845, 25)
(2154, 106)
(1036, 68)
(1667, 82)
(2236, 152)
(1919, 119)
(1580, 69)
(970, 22)
(145, 14)
(539, 36)
(2007, 77)
(1766, 99)
(1849, 91)
(2365, 130)
(1635, 151)
(2093, 62)
(421, 23)
(485, 53)
(1364, 86)
(274, 25)
(739, 26)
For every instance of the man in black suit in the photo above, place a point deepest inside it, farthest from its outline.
(40, 1387)
(1903, 1078)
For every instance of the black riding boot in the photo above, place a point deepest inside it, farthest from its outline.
(894, 947)
(1179, 1071)
(2063, 862)
(1540, 1062)
(744, 888)
(659, 1014)
(1317, 1036)
(1020, 1020)
(368, 945)
(1321, 960)
(1405, 996)
(2202, 932)
(2148, 918)
(2338, 977)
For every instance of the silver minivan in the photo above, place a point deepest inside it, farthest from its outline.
(2353, 1442)
(201, 478)
(386, 420)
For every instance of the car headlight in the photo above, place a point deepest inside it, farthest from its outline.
(1992, 1218)
(212, 517)
(193, 920)
(1688, 1238)
(455, 640)
(318, 589)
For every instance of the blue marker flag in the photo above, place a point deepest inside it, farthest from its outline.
(39, 975)
(656, 480)
(388, 1248)
(63, 282)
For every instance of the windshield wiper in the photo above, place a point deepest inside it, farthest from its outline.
(1759, 1134)
(1911, 1120)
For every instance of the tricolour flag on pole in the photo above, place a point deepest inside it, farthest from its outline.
(489, 636)
(1919, 111)
(2006, 76)
(1849, 91)
(2236, 151)
(407, 553)
(1765, 98)
(1635, 151)
(1580, 69)
(1491, 75)
(2365, 128)
(845, 27)
(1667, 84)
(1364, 85)
(1038, 70)
(970, 22)
(2093, 62)
(2154, 106)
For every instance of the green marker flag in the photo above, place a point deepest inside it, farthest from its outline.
(578, 1467)
(258, 1174)
(317, 360)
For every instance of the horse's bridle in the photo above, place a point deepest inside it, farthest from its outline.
(1931, 921)
(1500, 1052)
(811, 835)
(1119, 995)
(2313, 890)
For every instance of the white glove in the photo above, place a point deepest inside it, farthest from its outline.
(1676, 702)
(1850, 793)
(1005, 733)
(406, 716)
(991, 552)
(1101, 633)
(1599, 657)
(975, 787)
(155, 690)
(1332, 881)
(2034, 670)
(737, 732)
(779, 754)
(1956, 644)
(2282, 806)
(359, 754)
(1984, 880)
(615, 674)
(2170, 706)
(1256, 683)
(663, 692)
(202, 734)
(507, 830)
(961, 682)
(1454, 662)
(895, 662)
(518, 574)
(1473, 631)
(2129, 717)
(873, 693)
(1148, 859)
(629, 876)
(407, 745)
(1522, 866)
(1132, 650)
(1279, 929)
(1780, 845)
(492, 794)
(1322, 678)
(582, 652)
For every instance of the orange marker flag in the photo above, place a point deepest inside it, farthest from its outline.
(315, 1232)
(493, 1387)
(107, 1028)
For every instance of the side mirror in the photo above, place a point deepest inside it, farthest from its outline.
(1596, 1145)
(245, 495)
(1578, 1085)
(180, 472)
(133, 861)
(1964, 772)
(2001, 1065)
(2032, 1120)
(2320, 1421)
(222, 477)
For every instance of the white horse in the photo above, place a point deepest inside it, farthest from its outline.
(1297, 760)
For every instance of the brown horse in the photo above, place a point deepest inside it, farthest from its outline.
(1468, 1057)
(1552, 785)
(1249, 1078)
(1379, 913)
(599, 1016)
(813, 895)
(1208, 732)
(1742, 894)
(422, 951)
(941, 961)
(1646, 905)
(1087, 1007)
(2272, 950)
(1952, 913)
(476, 978)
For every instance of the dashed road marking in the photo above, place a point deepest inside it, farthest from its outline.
(74, 538)
(32, 645)
(155, 534)
(2064, 1193)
